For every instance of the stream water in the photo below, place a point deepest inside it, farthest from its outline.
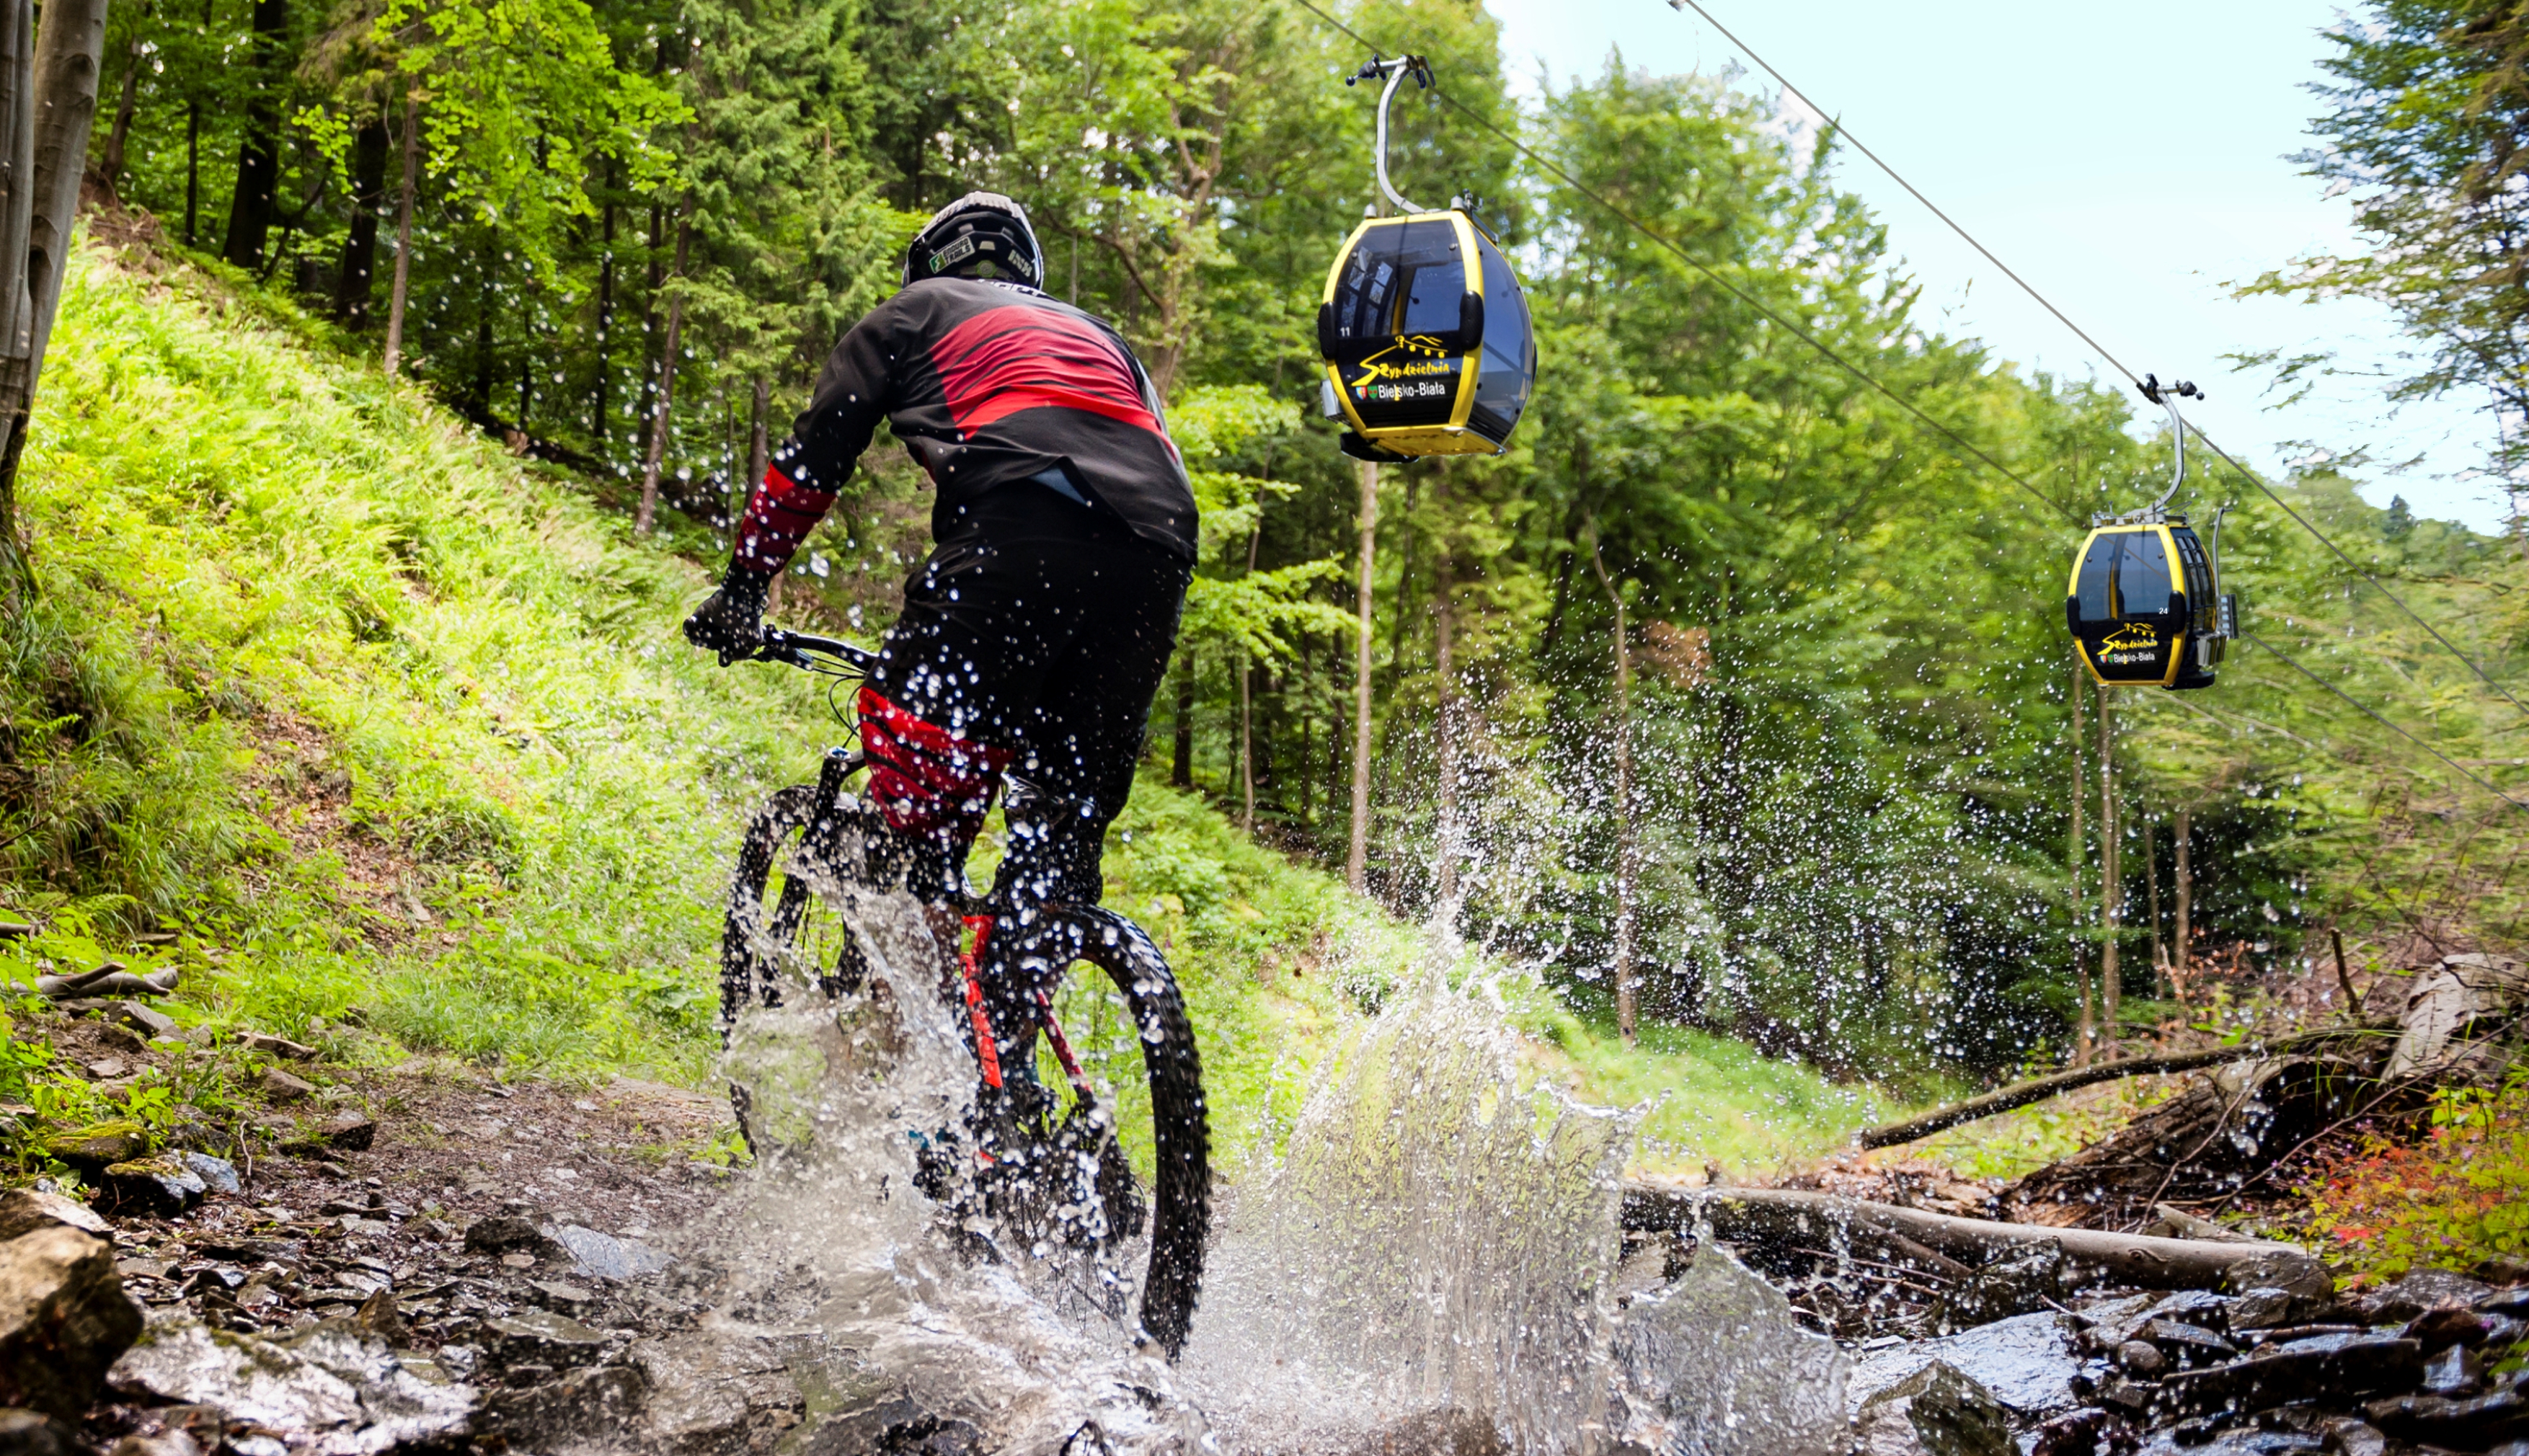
(1428, 1265)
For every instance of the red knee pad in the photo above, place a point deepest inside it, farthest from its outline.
(923, 779)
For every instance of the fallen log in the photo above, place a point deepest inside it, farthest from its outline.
(1782, 1214)
(2038, 1089)
(109, 978)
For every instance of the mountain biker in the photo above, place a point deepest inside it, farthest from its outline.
(1035, 635)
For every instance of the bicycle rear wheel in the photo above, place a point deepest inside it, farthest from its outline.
(1139, 1144)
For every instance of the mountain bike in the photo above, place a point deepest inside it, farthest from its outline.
(1049, 1154)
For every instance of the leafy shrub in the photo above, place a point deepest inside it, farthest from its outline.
(2455, 1200)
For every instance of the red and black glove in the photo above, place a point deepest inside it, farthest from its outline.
(730, 622)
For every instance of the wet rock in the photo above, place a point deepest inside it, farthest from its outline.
(151, 1188)
(2264, 1309)
(281, 1087)
(159, 1442)
(581, 1405)
(2296, 1273)
(2455, 1373)
(2200, 1307)
(2350, 1438)
(25, 1210)
(2340, 1366)
(505, 1234)
(2189, 1345)
(2084, 1433)
(2418, 1291)
(1999, 1291)
(708, 1392)
(2438, 1329)
(218, 1172)
(599, 1256)
(1934, 1412)
(542, 1336)
(333, 1390)
(25, 1432)
(2028, 1363)
(899, 1425)
(2512, 1302)
(2142, 1358)
(2459, 1424)
(1717, 1362)
(63, 1318)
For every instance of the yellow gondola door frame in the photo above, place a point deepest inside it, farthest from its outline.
(1401, 332)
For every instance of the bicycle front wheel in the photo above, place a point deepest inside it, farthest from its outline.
(779, 927)
(1123, 1031)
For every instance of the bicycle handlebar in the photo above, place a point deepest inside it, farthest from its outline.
(793, 648)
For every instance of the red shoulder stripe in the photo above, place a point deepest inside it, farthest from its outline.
(1017, 357)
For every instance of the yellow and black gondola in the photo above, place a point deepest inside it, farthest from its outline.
(1423, 328)
(2144, 607)
(2145, 602)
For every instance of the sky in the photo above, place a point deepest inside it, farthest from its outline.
(2128, 164)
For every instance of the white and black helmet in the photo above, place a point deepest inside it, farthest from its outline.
(976, 229)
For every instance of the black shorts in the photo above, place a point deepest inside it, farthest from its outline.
(1042, 626)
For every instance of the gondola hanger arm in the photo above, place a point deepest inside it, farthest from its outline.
(2166, 396)
(1395, 72)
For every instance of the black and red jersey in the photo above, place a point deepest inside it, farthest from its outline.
(986, 383)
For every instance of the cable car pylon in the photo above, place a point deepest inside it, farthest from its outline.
(2145, 602)
(1423, 329)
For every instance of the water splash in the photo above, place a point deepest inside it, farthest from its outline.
(1433, 1250)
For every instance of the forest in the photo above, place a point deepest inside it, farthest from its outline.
(1768, 534)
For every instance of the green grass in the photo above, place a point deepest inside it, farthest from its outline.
(309, 657)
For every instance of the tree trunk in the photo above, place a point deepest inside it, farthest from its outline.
(250, 206)
(403, 290)
(193, 172)
(1357, 856)
(605, 321)
(667, 386)
(1816, 1220)
(759, 448)
(2079, 858)
(49, 123)
(480, 390)
(2186, 887)
(2112, 885)
(17, 219)
(1247, 705)
(1444, 670)
(1181, 726)
(1308, 734)
(1628, 872)
(109, 166)
(2151, 880)
(2039, 1089)
(351, 291)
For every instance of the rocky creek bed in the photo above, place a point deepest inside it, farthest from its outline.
(384, 1301)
